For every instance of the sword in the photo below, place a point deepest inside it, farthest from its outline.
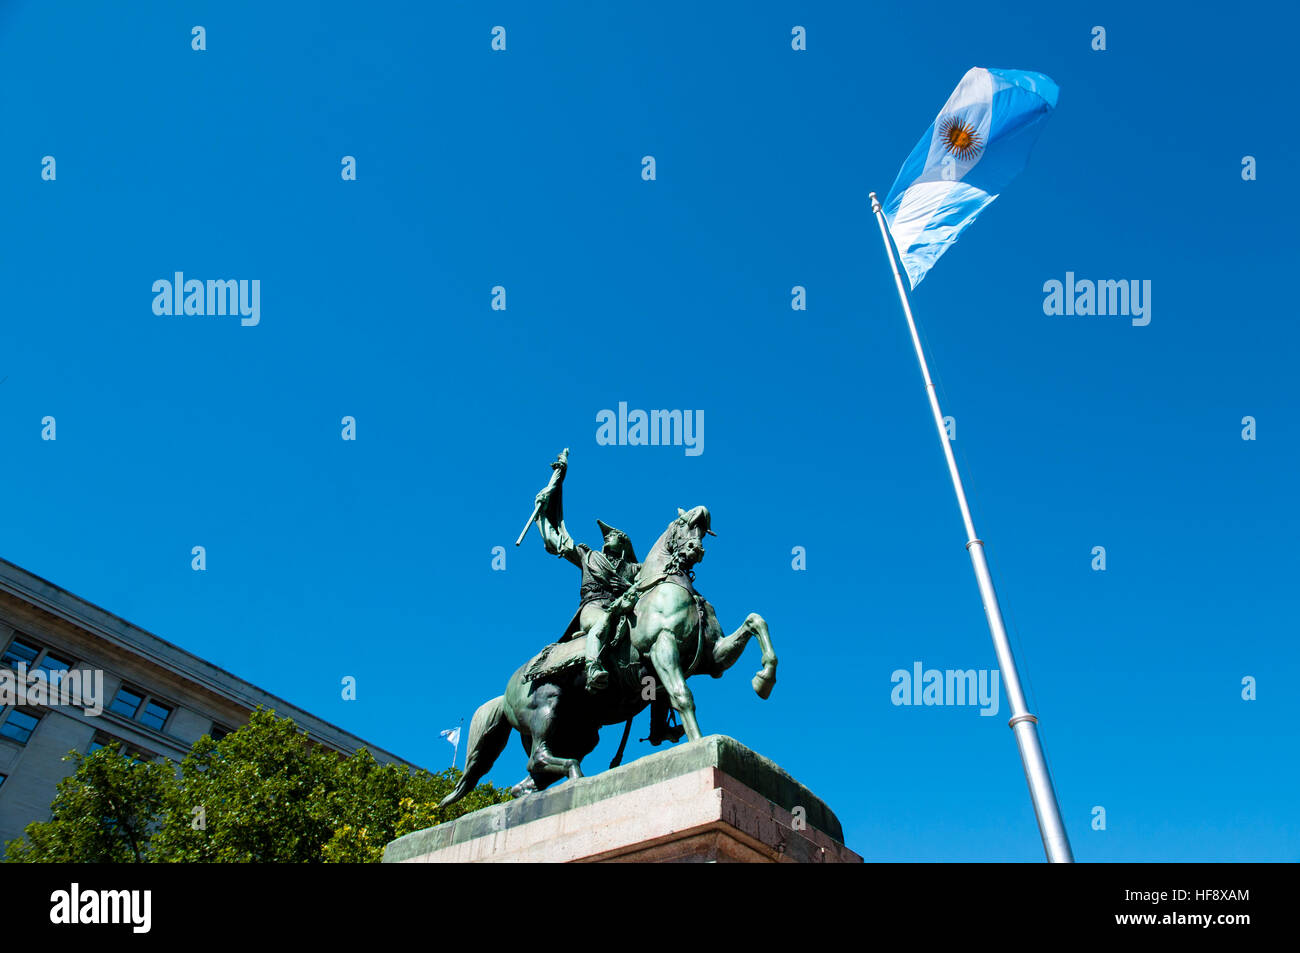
(557, 468)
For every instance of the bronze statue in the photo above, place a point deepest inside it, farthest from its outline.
(607, 574)
(653, 630)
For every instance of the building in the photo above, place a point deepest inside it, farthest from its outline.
(157, 699)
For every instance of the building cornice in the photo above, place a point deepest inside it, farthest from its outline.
(169, 657)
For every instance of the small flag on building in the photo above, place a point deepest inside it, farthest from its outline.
(978, 143)
(453, 738)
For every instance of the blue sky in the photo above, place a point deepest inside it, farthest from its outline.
(522, 169)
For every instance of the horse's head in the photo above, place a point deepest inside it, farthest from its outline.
(694, 521)
(682, 544)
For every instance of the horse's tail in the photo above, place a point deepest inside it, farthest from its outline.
(489, 731)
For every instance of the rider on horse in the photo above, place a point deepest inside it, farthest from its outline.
(672, 635)
(608, 576)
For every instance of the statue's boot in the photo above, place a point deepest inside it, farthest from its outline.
(597, 677)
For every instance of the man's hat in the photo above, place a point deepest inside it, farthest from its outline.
(606, 529)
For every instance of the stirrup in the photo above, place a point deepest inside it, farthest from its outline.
(593, 670)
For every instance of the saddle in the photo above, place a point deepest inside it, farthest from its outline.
(621, 660)
(556, 658)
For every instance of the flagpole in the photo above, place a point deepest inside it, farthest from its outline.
(1023, 724)
(455, 749)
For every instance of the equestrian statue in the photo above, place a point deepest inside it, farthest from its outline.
(640, 631)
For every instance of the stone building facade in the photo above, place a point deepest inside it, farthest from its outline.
(157, 699)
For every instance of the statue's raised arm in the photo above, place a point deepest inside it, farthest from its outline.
(549, 505)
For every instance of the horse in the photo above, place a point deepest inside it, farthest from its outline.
(667, 632)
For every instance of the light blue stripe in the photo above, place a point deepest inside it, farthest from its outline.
(1021, 103)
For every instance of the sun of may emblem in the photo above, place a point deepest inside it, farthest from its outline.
(960, 138)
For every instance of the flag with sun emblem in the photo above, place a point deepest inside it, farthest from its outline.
(977, 144)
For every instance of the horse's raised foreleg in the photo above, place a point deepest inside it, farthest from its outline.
(728, 650)
(668, 666)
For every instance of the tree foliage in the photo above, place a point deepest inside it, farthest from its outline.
(262, 794)
(105, 812)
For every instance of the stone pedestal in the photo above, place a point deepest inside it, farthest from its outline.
(712, 800)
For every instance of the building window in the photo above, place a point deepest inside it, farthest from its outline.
(55, 667)
(17, 725)
(126, 702)
(102, 740)
(35, 656)
(155, 714)
(141, 706)
(20, 651)
(218, 732)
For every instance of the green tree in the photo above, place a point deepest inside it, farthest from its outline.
(264, 793)
(376, 803)
(105, 812)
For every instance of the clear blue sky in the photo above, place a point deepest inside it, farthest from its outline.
(523, 169)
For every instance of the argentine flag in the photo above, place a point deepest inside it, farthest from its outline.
(977, 144)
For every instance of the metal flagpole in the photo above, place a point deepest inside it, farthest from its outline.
(1023, 724)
